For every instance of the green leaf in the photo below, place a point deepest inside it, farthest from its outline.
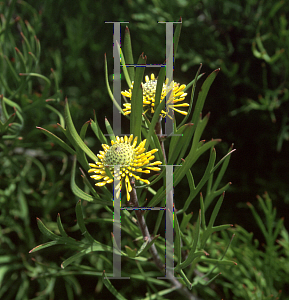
(185, 221)
(60, 227)
(146, 245)
(124, 67)
(278, 228)
(12, 104)
(202, 95)
(223, 159)
(154, 140)
(127, 50)
(195, 190)
(177, 34)
(83, 130)
(44, 230)
(43, 246)
(80, 221)
(178, 143)
(210, 228)
(26, 42)
(202, 208)
(216, 211)
(258, 220)
(22, 59)
(109, 89)
(96, 129)
(218, 262)
(61, 119)
(212, 194)
(196, 131)
(48, 82)
(185, 280)
(4, 126)
(75, 135)
(11, 69)
(109, 130)
(73, 258)
(194, 152)
(153, 123)
(57, 140)
(159, 88)
(137, 99)
(111, 288)
(194, 83)
(193, 254)
(177, 240)
(80, 193)
(130, 252)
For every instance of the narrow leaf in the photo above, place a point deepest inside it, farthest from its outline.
(46, 231)
(111, 288)
(159, 88)
(57, 140)
(137, 99)
(109, 130)
(60, 227)
(146, 245)
(177, 36)
(96, 129)
(75, 135)
(202, 95)
(80, 222)
(127, 50)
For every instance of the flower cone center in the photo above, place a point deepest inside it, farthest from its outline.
(119, 154)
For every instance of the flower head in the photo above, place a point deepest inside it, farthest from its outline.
(130, 159)
(149, 91)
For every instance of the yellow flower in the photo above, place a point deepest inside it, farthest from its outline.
(130, 159)
(149, 91)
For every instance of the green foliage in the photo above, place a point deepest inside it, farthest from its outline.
(262, 270)
(39, 175)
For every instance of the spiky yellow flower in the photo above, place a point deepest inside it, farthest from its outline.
(149, 90)
(130, 159)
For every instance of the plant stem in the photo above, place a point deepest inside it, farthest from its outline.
(146, 236)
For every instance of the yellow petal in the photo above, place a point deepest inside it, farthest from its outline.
(153, 168)
(156, 163)
(100, 183)
(180, 111)
(130, 138)
(134, 142)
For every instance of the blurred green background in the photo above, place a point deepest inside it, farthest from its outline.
(248, 101)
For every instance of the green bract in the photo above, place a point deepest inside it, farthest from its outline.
(119, 154)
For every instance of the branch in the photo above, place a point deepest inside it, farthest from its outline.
(146, 236)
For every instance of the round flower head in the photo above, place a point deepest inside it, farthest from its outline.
(130, 159)
(149, 92)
